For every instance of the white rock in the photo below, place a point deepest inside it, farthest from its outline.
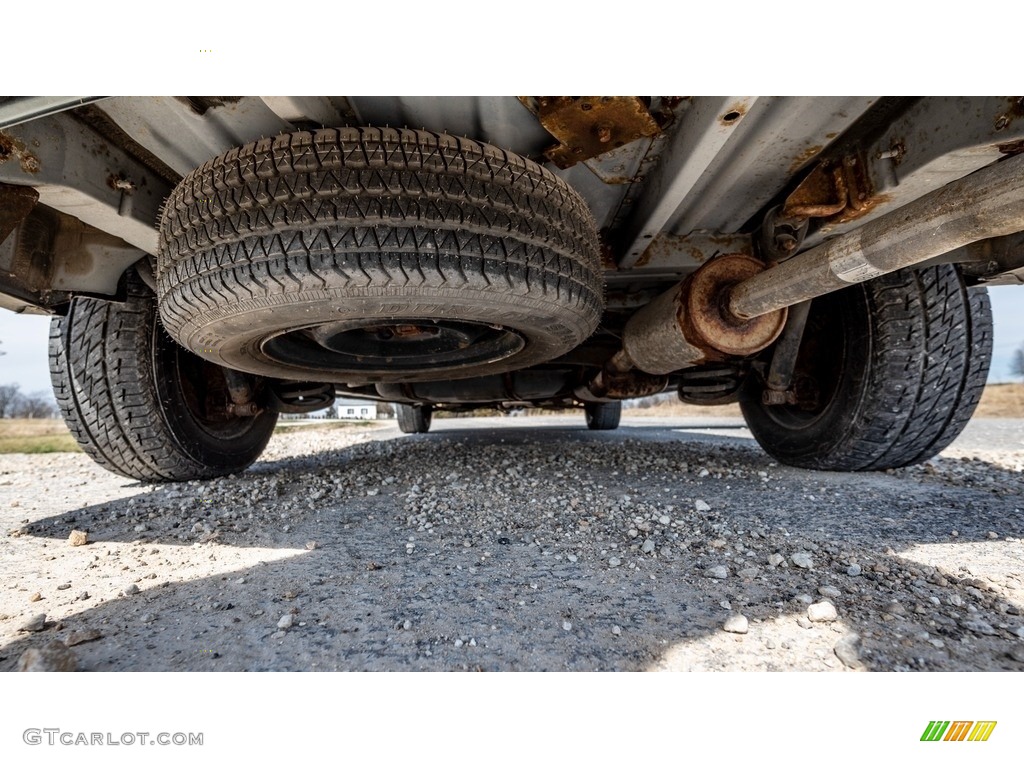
(853, 570)
(616, 630)
(823, 611)
(458, 643)
(286, 621)
(665, 520)
(567, 626)
(131, 589)
(829, 591)
(1019, 632)
(718, 572)
(648, 546)
(736, 623)
(701, 506)
(801, 559)
(614, 562)
(775, 560)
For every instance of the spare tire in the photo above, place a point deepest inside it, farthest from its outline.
(363, 255)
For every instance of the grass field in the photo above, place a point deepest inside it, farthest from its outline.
(1004, 401)
(1000, 401)
(35, 436)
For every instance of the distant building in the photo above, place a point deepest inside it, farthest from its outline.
(355, 409)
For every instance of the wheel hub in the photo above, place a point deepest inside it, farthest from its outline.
(374, 346)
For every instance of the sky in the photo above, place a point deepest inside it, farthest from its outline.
(24, 339)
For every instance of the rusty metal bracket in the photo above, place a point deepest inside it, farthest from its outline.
(588, 126)
(832, 190)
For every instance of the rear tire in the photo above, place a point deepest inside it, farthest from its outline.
(603, 415)
(897, 366)
(413, 418)
(137, 403)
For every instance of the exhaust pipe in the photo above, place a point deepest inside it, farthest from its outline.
(988, 203)
(733, 306)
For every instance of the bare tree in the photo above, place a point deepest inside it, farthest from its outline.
(38, 405)
(10, 394)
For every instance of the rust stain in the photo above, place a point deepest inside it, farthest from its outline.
(607, 257)
(800, 160)
(732, 115)
(665, 247)
(1011, 147)
(868, 204)
(12, 147)
(1014, 110)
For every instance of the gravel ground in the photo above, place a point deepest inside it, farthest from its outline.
(516, 544)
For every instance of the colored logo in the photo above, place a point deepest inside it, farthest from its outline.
(958, 730)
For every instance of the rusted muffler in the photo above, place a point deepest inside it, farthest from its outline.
(691, 324)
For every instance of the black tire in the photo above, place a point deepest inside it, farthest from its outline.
(413, 418)
(311, 255)
(898, 365)
(134, 399)
(603, 415)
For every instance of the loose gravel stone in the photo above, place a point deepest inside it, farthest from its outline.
(131, 589)
(736, 623)
(701, 506)
(718, 572)
(567, 626)
(79, 636)
(775, 560)
(52, 657)
(616, 630)
(853, 570)
(847, 650)
(614, 562)
(648, 546)
(286, 621)
(829, 591)
(823, 611)
(979, 627)
(78, 538)
(35, 597)
(801, 560)
(36, 624)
